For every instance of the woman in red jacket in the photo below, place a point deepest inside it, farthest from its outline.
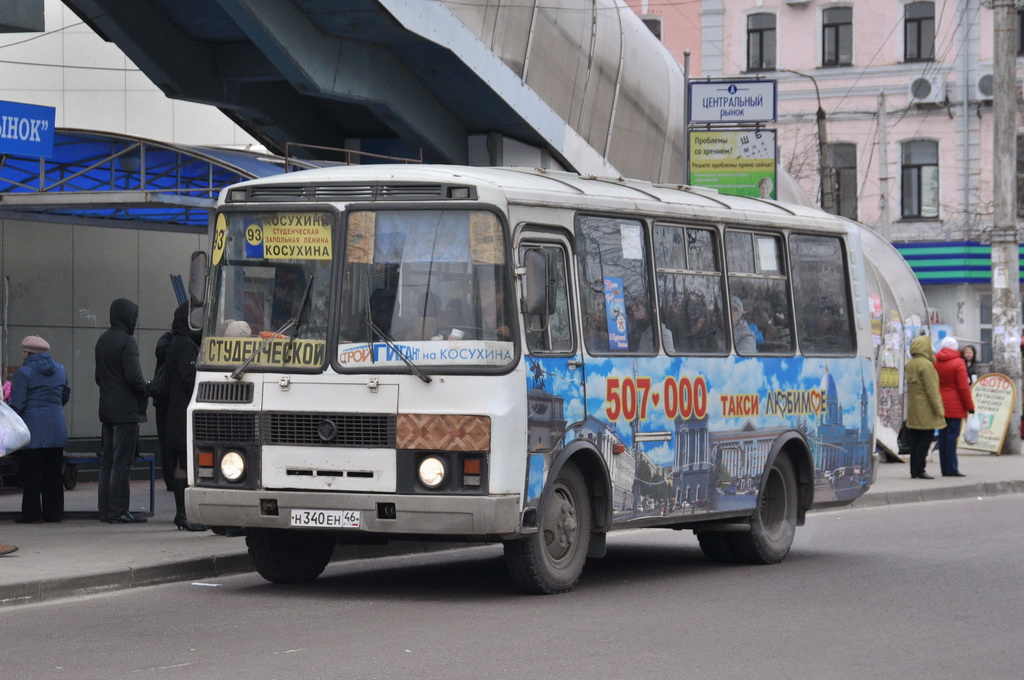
(955, 388)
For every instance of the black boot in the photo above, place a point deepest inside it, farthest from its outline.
(180, 520)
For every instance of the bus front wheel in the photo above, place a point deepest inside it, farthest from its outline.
(551, 560)
(283, 556)
(774, 524)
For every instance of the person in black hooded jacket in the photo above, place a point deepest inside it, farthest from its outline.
(123, 398)
(181, 379)
(167, 460)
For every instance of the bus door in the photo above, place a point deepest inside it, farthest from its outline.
(553, 355)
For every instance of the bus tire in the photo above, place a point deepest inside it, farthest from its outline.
(773, 526)
(551, 560)
(716, 546)
(283, 556)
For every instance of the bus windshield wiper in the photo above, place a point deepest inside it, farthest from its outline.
(372, 329)
(290, 326)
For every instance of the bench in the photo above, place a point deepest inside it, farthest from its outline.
(72, 459)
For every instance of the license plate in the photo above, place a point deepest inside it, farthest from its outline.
(339, 519)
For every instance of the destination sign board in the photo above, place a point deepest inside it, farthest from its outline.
(732, 101)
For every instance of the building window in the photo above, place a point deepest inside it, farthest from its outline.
(1020, 33)
(761, 42)
(985, 328)
(837, 37)
(653, 23)
(920, 173)
(844, 164)
(919, 27)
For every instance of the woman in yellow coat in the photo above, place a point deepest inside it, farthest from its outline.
(925, 412)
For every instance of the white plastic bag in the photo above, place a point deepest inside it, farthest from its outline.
(972, 428)
(14, 433)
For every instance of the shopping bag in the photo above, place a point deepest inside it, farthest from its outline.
(14, 433)
(972, 428)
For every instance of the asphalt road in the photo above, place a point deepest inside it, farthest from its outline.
(922, 591)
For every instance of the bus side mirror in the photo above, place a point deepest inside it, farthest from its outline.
(539, 295)
(198, 273)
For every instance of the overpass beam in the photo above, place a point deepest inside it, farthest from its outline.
(354, 71)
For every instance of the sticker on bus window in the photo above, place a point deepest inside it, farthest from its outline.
(220, 239)
(277, 352)
(615, 311)
(360, 237)
(434, 353)
(632, 242)
(289, 236)
(485, 238)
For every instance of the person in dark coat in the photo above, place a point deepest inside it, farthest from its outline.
(39, 391)
(181, 379)
(970, 356)
(168, 463)
(123, 398)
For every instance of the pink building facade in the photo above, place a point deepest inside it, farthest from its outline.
(906, 89)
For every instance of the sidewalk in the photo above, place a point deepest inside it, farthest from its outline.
(82, 555)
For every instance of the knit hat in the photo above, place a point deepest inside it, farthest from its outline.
(238, 329)
(737, 303)
(33, 344)
(949, 342)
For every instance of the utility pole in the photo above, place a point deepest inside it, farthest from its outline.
(883, 167)
(1005, 257)
(828, 186)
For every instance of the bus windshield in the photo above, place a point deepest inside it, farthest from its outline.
(432, 285)
(269, 269)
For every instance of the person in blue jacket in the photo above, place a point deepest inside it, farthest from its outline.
(39, 391)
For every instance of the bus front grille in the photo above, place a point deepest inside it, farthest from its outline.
(349, 430)
(225, 393)
(232, 427)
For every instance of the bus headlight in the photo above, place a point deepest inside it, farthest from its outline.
(432, 472)
(232, 466)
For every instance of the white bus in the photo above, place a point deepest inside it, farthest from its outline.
(530, 357)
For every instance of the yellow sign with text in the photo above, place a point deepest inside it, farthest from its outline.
(277, 352)
(290, 236)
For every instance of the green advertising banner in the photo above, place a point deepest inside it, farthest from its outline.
(736, 162)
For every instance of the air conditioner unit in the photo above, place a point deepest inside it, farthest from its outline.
(927, 90)
(984, 86)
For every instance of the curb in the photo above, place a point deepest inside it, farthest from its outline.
(870, 500)
(123, 579)
(189, 570)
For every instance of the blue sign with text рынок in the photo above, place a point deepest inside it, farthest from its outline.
(26, 129)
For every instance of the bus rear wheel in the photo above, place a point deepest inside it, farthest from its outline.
(716, 546)
(283, 556)
(551, 560)
(774, 524)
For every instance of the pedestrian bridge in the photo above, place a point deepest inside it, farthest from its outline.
(582, 86)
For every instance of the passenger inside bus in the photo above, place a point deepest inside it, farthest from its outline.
(289, 285)
(495, 324)
(641, 337)
(423, 319)
(696, 326)
(456, 317)
(742, 336)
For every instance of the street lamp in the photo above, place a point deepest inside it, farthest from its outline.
(824, 152)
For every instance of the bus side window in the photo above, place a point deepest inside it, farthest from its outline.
(823, 317)
(613, 277)
(552, 333)
(690, 289)
(758, 293)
